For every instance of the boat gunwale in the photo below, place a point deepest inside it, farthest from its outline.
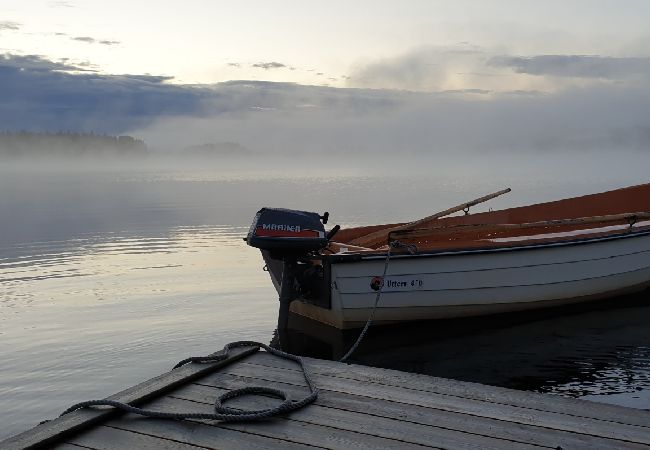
(429, 253)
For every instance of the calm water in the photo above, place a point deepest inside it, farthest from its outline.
(109, 277)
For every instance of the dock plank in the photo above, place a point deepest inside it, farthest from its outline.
(108, 438)
(471, 406)
(365, 422)
(202, 434)
(471, 426)
(295, 431)
(495, 394)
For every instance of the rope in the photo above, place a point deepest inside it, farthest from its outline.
(221, 412)
(393, 244)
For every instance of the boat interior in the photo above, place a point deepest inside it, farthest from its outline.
(615, 212)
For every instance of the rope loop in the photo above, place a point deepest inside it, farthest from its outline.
(221, 412)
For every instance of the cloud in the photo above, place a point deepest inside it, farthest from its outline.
(34, 63)
(38, 94)
(6, 25)
(269, 65)
(422, 69)
(580, 66)
(234, 64)
(42, 95)
(86, 39)
(90, 40)
(295, 119)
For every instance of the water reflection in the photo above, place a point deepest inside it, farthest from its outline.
(594, 354)
(87, 317)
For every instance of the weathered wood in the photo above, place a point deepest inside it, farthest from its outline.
(471, 427)
(202, 434)
(480, 408)
(293, 430)
(464, 389)
(372, 239)
(76, 421)
(109, 438)
(375, 425)
(495, 227)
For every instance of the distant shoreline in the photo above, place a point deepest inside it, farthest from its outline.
(25, 144)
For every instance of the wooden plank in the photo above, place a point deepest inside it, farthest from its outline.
(55, 430)
(287, 430)
(374, 425)
(108, 438)
(408, 396)
(470, 426)
(464, 389)
(202, 434)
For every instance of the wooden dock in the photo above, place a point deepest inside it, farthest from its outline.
(358, 407)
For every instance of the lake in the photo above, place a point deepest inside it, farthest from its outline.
(109, 276)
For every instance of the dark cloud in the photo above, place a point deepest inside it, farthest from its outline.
(33, 63)
(269, 65)
(580, 66)
(149, 78)
(90, 40)
(86, 39)
(5, 25)
(41, 95)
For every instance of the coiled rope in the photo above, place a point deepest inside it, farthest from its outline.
(221, 412)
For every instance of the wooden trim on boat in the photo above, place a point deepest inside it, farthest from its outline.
(502, 247)
(631, 218)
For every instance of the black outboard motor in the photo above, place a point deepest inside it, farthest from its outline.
(289, 235)
(285, 232)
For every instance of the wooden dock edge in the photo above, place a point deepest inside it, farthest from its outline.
(74, 422)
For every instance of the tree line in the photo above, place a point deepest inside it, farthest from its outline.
(30, 144)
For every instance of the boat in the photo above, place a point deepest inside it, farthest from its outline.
(545, 255)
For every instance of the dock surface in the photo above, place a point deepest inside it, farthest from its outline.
(358, 407)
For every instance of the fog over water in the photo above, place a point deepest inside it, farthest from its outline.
(111, 271)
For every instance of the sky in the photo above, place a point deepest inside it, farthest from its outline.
(335, 75)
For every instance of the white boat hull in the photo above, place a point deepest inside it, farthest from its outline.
(472, 283)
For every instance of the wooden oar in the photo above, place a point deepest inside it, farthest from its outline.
(378, 237)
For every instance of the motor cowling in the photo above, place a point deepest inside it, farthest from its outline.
(287, 232)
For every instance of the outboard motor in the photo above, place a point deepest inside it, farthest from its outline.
(290, 236)
(285, 232)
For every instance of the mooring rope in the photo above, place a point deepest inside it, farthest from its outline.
(391, 246)
(221, 412)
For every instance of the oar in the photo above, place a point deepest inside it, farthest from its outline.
(369, 240)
